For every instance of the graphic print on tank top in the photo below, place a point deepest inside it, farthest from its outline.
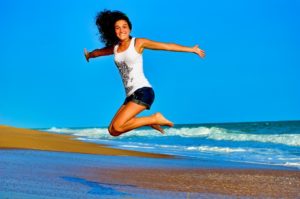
(125, 70)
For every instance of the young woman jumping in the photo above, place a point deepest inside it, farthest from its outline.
(115, 28)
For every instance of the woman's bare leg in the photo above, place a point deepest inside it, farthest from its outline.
(154, 126)
(126, 120)
(114, 118)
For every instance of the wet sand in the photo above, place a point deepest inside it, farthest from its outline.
(238, 183)
(17, 138)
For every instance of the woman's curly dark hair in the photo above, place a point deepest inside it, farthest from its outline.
(105, 21)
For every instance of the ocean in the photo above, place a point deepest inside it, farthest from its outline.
(265, 144)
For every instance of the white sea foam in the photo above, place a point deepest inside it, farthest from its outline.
(135, 146)
(286, 139)
(215, 149)
(90, 133)
(292, 164)
(224, 134)
(212, 133)
(185, 148)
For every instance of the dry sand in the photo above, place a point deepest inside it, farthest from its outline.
(17, 138)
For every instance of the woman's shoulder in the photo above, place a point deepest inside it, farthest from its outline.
(139, 41)
(139, 44)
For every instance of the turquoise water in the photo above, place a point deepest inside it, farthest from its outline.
(254, 143)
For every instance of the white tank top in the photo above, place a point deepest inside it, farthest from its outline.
(130, 65)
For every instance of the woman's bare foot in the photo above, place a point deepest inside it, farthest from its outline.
(158, 128)
(161, 120)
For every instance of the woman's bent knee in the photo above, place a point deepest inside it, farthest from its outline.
(113, 132)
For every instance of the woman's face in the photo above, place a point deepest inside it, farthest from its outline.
(122, 29)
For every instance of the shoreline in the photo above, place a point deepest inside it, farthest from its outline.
(19, 138)
(89, 170)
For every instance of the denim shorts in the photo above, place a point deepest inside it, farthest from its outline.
(143, 96)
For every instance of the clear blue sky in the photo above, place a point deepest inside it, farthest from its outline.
(251, 72)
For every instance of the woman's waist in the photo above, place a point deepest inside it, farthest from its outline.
(135, 87)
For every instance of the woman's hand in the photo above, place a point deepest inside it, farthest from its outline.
(86, 54)
(198, 51)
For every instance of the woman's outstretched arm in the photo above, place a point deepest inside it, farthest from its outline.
(98, 52)
(143, 43)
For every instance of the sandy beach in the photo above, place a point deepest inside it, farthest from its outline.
(36, 164)
(17, 138)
